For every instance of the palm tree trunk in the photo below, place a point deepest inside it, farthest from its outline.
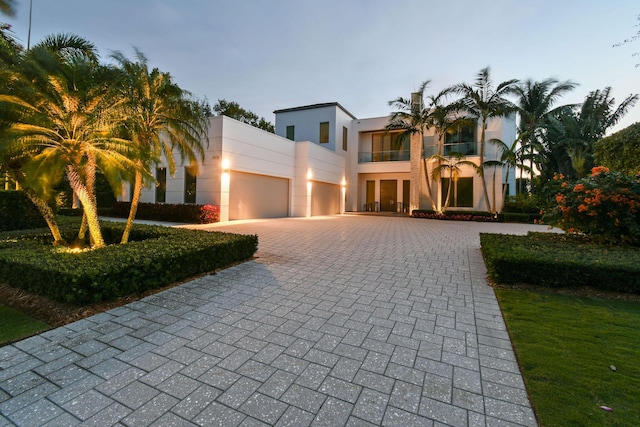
(137, 189)
(90, 184)
(89, 207)
(48, 215)
(428, 183)
(481, 169)
(448, 200)
(504, 189)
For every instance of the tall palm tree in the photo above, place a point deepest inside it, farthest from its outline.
(160, 118)
(535, 102)
(510, 158)
(453, 164)
(413, 117)
(484, 102)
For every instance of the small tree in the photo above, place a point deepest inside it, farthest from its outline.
(232, 109)
(620, 151)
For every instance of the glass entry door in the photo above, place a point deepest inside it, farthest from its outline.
(388, 195)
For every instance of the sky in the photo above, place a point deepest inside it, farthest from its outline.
(268, 55)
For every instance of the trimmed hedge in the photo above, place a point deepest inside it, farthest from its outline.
(155, 257)
(455, 215)
(190, 213)
(17, 212)
(559, 260)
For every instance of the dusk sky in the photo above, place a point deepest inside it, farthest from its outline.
(268, 55)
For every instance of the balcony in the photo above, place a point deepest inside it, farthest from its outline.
(384, 156)
(464, 148)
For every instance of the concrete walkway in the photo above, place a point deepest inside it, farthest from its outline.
(345, 320)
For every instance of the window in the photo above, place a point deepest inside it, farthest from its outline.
(461, 194)
(189, 184)
(324, 132)
(291, 133)
(161, 184)
(345, 133)
(461, 139)
(389, 147)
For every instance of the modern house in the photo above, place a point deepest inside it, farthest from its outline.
(322, 160)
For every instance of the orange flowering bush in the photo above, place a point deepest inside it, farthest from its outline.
(604, 205)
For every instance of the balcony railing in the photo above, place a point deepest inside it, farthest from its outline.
(383, 156)
(464, 148)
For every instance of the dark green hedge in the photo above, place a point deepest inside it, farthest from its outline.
(17, 212)
(558, 260)
(155, 257)
(189, 213)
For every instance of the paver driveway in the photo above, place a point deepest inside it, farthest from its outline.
(345, 320)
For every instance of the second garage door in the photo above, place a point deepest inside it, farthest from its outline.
(325, 198)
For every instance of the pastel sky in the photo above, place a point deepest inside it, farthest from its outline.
(273, 54)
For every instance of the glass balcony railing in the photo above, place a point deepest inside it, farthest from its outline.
(464, 148)
(384, 156)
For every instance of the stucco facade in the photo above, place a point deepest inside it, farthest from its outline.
(321, 161)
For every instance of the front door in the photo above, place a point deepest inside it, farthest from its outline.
(388, 195)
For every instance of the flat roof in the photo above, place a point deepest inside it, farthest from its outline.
(315, 106)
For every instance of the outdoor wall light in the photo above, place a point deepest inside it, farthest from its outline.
(344, 182)
(309, 175)
(225, 166)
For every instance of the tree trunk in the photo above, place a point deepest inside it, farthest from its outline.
(89, 207)
(137, 189)
(48, 215)
(448, 200)
(426, 178)
(504, 189)
(485, 193)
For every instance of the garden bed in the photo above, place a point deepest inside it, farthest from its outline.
(155, 257)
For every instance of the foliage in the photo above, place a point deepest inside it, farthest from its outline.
(17, 212)
(559, 260)
(189, 213)
(235, 111)
(570, 133)
(632, 39)
(156, 256)
(620, 151)
(15, 325)
(565, 348)
(605, 206)
(522, 203)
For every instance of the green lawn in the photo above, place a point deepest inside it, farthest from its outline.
(15, 325)
(566, 346)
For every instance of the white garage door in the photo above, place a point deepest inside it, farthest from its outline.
(257, 196)
(325, 198)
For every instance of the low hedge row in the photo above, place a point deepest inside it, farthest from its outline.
(189, 213)
(17, 212)
(155, 257)
(559, 260)
(527, 218)
(455, 215)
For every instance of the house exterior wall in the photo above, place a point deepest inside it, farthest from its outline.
(263, 160)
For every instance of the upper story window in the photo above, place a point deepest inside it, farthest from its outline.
(389, 147)
(291, 133)
(324, 132)
(461, 139)
(345, 133)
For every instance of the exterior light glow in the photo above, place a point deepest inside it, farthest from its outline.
(225, 166)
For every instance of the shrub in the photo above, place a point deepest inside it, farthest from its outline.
(560, 260)
(455, 215)
(190, 213)
(17, 212)
(155, 257)
(605, 206)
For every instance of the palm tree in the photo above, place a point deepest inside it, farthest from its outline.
(453, 165)
(64, 123)
(571, 132)
(484, 102)
(412, 117)
(160, 118)
(535, 102)
(510, 158)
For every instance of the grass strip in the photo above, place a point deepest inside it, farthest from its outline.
(566, 347)
(15, 325)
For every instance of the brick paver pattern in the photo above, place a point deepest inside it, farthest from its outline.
(345, 320)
